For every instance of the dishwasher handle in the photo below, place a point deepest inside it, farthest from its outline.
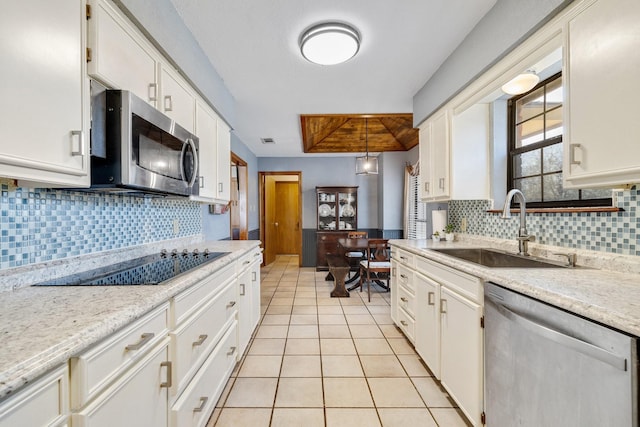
(559, 337)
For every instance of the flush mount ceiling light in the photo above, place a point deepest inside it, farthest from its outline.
(366, 165)
(521, 83)
(329, 43)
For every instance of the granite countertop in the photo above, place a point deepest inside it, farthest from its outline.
(43, 326)
(603, 295)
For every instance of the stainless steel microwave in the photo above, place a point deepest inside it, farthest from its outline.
(144, 150)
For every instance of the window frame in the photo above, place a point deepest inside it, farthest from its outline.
(512, 151)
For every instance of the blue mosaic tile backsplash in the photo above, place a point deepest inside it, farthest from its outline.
(616, 232)
(39, 225)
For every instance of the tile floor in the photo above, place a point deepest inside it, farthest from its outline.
(321, 361)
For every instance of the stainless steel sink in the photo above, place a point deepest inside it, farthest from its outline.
(496, 259)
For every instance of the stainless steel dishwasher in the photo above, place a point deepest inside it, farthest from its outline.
(546, 367)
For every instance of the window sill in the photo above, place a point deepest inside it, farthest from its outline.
(562, 210)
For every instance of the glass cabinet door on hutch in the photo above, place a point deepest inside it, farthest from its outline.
(337, 214)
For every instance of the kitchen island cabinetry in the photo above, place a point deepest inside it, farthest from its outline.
(43, 403)
(44, 136)
(601, 63)
(439, 309)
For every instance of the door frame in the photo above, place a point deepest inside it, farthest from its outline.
(262, 190)
(243, 189)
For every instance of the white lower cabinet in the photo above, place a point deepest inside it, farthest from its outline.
(440, 310)
(196, 403)
(248, 297)
(43, 403)
(139, 398)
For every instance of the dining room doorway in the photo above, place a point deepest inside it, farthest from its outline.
(281, 214)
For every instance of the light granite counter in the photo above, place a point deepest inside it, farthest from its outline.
(605, 296)
(41, 327)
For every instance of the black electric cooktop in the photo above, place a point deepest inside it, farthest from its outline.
(147, 270)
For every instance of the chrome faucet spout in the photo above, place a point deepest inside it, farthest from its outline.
(523, 236)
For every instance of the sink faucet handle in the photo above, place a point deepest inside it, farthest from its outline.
(527, 238)
(571, 258)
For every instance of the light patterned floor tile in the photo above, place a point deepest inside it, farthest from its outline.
(337, 346)
(341, 366)
(299, 393)
(394, 393)
(382, 366)
(347, 393)
(448, 417)
(403, 417)
(267, 346)
(244, 417)
(301, 366)
(433, 395)
(252, 393)
(302, 346)
(261, 366)
(296, 417)
(368, 346)
(352, 417)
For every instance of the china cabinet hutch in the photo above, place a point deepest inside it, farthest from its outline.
(337, 214)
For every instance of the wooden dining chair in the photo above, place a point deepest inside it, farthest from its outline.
(377, 265)
(354, 257)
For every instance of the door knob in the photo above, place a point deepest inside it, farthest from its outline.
(275, 223)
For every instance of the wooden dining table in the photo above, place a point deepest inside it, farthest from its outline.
(353, 245)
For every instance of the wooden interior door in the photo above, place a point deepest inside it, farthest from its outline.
(287, 223)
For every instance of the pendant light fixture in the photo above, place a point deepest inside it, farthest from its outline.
(366, 165)
(329, 43)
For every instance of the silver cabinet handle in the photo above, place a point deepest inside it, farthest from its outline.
(426, 187)
(247, 262)
(169, 381)
(168, 103)
(153, 92)
(231, 304)
(144, 338)
(403, 299)
(242, 289)
(404, 258)
(231, 351)
(443, 306)
(441, 183)
(393, 272)
(431, 298)
(405, 277)
(201, 181)
(572, 154)
(203, 402)
(576, 344)
(77, 135)
(201, 340)
(254, 276)
(403, 323)
(220, 188)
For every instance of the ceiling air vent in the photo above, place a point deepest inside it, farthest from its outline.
(268, 140)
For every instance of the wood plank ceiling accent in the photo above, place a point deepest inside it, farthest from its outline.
(345, 133)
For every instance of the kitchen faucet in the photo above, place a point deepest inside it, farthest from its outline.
(523, 237)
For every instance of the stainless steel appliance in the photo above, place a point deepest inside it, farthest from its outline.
(143, 150)
(546, 367)
(148, 270)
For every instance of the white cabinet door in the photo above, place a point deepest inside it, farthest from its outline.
(43, 403)
(45, 102)
(255, 291)
(206, 129)
(602, 146)
(428, 322)
(434, 157)
(394, 287)
(178, 101)
(245, 316)
(138, 399)
(461, 353)
(440, 156)
(121, 58)
(224, 161)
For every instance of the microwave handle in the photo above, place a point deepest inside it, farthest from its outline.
(189, 142)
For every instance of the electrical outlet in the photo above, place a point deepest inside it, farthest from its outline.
(463, 225)
(176, 226)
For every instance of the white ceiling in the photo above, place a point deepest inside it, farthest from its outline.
(254, 47)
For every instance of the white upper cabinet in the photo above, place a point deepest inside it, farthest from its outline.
(207, 132)
(121, 58)
(177, 98)
(45, 104)
(434, 157)
(470, 153)
(223, 151)
(602, 65)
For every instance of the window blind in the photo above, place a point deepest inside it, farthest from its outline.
(417, 212)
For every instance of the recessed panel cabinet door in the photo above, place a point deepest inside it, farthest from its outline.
(428, 322)
(224, 161)
(602, 65)
(44, 105)
(177, 101)
(207, 132)
(120, 58)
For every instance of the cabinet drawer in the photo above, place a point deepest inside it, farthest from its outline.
(195, 405)
(407, 301)
(465, 284)
(404, 257)
(94, 369)
(42, 403)
(138, 398)
(193, 341)
(249, 258)
(407, 324)
(405, 278)
(187, 302)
